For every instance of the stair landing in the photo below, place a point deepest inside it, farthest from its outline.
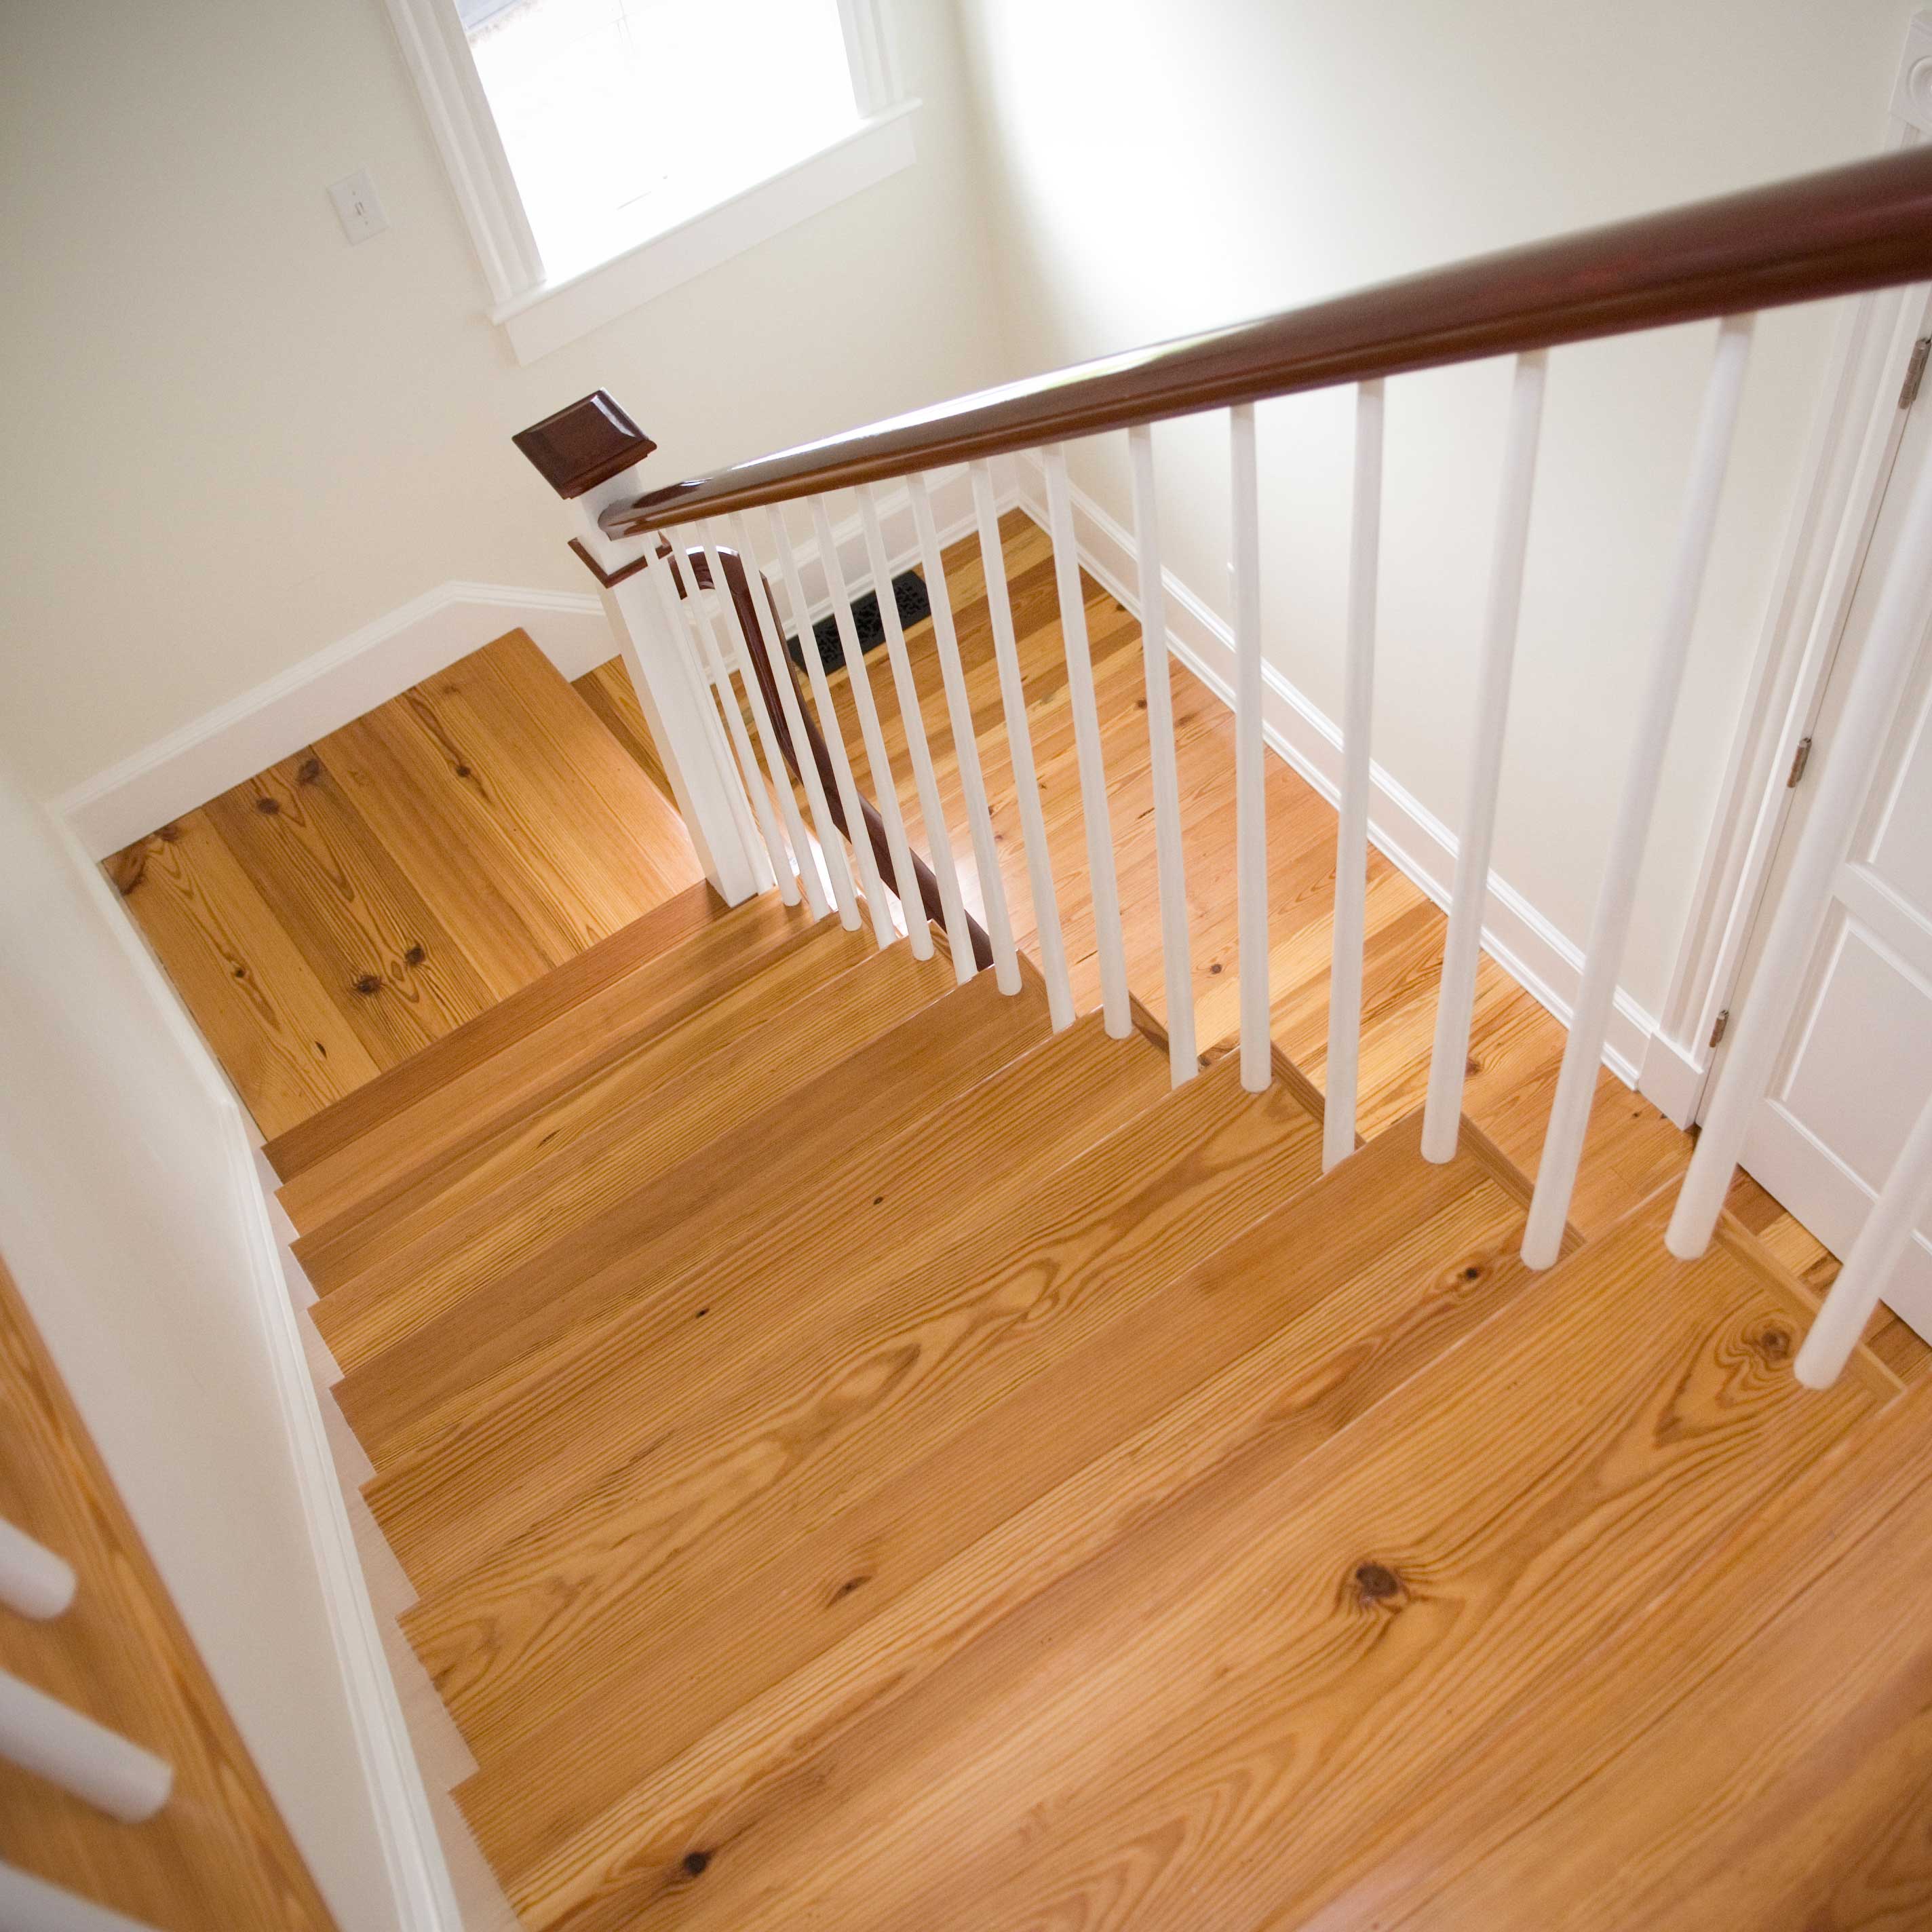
(328, 918)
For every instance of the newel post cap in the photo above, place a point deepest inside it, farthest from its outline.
(584, 445)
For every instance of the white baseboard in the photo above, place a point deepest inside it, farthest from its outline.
(412, 1856)
(1542, 960)
(951, 491)
(325, 691)
(340, 682)
(1671, 1078)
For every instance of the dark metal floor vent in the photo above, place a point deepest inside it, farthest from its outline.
(915, 606)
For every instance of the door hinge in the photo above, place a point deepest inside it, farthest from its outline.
(1723, 1021)
(1915, 372)
(1800, 759)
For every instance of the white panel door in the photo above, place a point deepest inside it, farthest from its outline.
(1857, 1065)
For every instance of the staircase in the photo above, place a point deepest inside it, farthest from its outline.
(881, 1441)
(867, 1460)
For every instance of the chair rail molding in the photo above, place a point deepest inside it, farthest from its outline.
(1854, 438)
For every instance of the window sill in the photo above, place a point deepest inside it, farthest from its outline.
(561, 312)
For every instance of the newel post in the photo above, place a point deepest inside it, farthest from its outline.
(589, 454)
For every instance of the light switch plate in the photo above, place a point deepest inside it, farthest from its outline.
(356, 203)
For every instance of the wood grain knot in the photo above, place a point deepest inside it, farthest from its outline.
(308, 771)
(846, 1588)
(414, 956)
(696, 1864)
(463, 771)
(369, 983)
(267, 807)
(1472, 1065)
(1376, 1583)
(1773, 1342)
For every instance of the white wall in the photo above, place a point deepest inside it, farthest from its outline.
(118, 1218)
(232, 439)
(1177, 167)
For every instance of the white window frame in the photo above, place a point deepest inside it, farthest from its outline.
(540, 314)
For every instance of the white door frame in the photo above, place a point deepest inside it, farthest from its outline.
(1853, 443)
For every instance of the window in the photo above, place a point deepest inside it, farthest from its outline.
(604, 151)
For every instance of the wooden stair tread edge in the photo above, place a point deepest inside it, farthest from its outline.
(794, 980)
(693, 1117)
(893, 1083)
(945, 1339)
(1676, 1743)
(460, 1099)
(521, 1455)
(1297, 1335)
(335, 1127)
(1618, 1427)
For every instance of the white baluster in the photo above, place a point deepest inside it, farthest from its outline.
(41, 1735)
(713, 657)
(1176, 969)
(30, 1904)
(911, 904)
(938, 835)
(1456, 998)
(1609, 926)
(1352, 839)
(761, 716)
(1902, 1203)
(663, 574)
(965, 745)
(1250, 766)
(1898, 625)
(1019, 742)
(834, 734)
(33, 1580)
(1109, 942)
(830, 845)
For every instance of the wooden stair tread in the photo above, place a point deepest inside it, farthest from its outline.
(623, 1144)
(674, 957)
(526, 1450)
(871, 1375)
(1206, 1711)
(787, 991)
(703, 1210)
(327, 919)
(1155, 1265)
(1731, 1759)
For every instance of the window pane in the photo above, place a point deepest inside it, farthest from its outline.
(622, 117)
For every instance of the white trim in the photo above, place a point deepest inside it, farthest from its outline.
(1854, 437)
(352, 676)
(438, 57)
(419, 1876)
(322, 694)
(539, 315)
(1543, 961)
(552, 314)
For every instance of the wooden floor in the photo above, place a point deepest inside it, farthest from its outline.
(1516, 1046)
(330, 916)
(869, 1462)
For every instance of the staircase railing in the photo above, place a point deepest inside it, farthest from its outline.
(1842, 232)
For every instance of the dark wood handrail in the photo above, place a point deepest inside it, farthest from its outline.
(738, 585)
(1834, 233)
